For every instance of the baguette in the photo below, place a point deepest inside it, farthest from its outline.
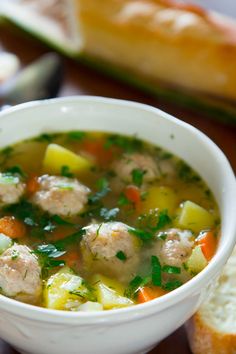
(183, 46)
(212, 330)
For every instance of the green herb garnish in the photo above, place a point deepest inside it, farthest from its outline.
(14, 254)
(163, 220)
(15, 170)
(103, 190)
(121, 256)
(133, 287)
(142, 234)
(76, 135)
(47, 138)
(137, 176)
(186, 173)
(125, 143)
(156, 271)
(171, 269)
(65, 172)
(171, 285)
(123, 200)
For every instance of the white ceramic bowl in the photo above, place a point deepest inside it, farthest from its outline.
(136, 329)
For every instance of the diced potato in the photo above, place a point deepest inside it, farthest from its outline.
(194, 217)
(57, 156)
(110, 293)
(161, 198)
(90, 306)
(5, 243)
(57, 292)
(196, 261)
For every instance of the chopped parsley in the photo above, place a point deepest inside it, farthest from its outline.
(15, 170)
(58, 220)
(156, 271)
(171, 269)
(162, 236)
(134, 285)
(68, 240)
(137, 176)
(123, 200)
(103, 190)
(121, 256)
(14, 254)
(142, 234)
(186, 173)
(84, 294)
(47, 255)
(172, 284)
(65, 172)
(46, 138)
(76, 135)
(163, 220)
(125, 143)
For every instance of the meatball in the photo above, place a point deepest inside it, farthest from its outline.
(103, 246)
(130, 162)
(61, 195)
(176, 248)
(20, 274)
(11, 189)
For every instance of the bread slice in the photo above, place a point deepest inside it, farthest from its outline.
(212, 330)
(181, 45)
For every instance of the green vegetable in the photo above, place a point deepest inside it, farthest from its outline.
(171, 285)
(186, 173)
(65, 172)
(47, 255)
(15, 170)
(63, 243)
(14, 254)
(123, 200)
(163, 220)
(156, 271)
(47, 138)
(171, 269)
(125, 143)
(142, 234)
(103, 190)
(121, 256)
(58, 220)
(76, 135)
(133, 287)
(137, 176)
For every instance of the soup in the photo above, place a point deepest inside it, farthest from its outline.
(93, 221)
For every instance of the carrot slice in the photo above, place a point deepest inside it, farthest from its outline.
(149, 293)
(32, 185)
(71, 258)
(132, 193)
(96, 149)
(12, 227)
(208, 244)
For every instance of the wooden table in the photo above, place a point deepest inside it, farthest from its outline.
(81, 80)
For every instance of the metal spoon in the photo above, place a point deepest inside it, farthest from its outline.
(41, 79)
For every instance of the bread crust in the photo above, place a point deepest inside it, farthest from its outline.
(204, 339)
(182, 45)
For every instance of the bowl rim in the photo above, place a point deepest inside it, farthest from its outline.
(156, 305)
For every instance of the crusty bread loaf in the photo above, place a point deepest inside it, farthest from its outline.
(181, 45)
(212, 330)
